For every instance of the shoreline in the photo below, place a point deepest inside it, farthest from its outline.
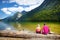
(27, 34)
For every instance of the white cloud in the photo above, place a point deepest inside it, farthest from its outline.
(5, 10)
(12, 10)
(15, 9)
(20, 9)
(31, 7)
(26, 2)
(32, 3)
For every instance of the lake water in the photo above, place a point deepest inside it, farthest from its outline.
(31, 26)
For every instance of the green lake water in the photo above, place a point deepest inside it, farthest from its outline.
(31, 26)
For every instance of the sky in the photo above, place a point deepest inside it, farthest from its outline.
(9, 7)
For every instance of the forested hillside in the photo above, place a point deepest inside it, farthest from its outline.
(48, 11)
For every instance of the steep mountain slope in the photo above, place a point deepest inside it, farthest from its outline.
(48, 11)
(14, 17)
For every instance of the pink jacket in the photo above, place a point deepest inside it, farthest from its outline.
(45, 29)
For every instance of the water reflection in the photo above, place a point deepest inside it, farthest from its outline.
(30, 26)
(24, 26)
(17, 25)
(11, 26)
(6, 26)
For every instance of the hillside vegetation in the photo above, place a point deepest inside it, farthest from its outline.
(48, 11)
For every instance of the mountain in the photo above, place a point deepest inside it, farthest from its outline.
(0, 19)
(14, 17)
(49, 10)
(24, 12)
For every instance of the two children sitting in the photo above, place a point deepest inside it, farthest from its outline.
(45, 29)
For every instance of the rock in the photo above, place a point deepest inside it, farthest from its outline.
(23, 34)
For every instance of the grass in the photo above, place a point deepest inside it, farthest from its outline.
(54, 26)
